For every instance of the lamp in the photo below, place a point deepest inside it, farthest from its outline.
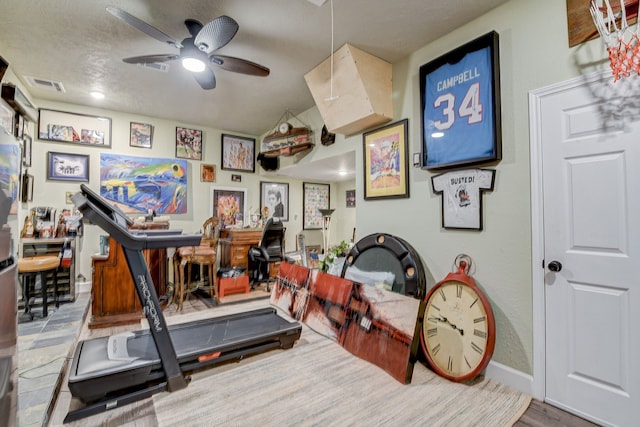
(326, 222)
(193, 59)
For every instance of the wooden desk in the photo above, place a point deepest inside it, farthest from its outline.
(114, 299)
(235, 244)
(234, 248)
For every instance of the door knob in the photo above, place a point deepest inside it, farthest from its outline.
(555, 266)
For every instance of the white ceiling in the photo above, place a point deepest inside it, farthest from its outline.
(81, 45)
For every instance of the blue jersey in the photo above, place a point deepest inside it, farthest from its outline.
(458, 111)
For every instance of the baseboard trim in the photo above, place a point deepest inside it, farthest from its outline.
(511, 377)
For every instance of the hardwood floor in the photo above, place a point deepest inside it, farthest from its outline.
(540, 414)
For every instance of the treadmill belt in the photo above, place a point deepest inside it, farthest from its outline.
(236, 332)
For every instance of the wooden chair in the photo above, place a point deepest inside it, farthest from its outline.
(204, 255)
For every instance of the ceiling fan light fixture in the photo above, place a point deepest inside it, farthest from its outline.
(193, 64)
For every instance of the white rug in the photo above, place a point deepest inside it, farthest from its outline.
(317, 382)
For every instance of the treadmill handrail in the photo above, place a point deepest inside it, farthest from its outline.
(124, 236)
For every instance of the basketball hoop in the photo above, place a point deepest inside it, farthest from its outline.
(621, 39)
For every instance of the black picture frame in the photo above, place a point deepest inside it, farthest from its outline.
(188, 143)
(460, 105)
(238, 153)
(273, 194)
(67, 167)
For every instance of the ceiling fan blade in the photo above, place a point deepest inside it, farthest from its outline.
(193, 26)
(238, 65)
(216, 34)
(142, 26)
(206, 79)
(149, 59)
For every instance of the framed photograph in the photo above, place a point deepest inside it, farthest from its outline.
(74, 128)
(314, 197)
(386, 165)
(460, 105)
(207, 173)
(229, 204)
(67, 197)
(351, 198)
(27, 143)
(27, 188)
(67, 167)
(7, 117)
(274, 199)
(236, 178)
(238, 153)
(188, 143)
(140, 135)
(461, 192)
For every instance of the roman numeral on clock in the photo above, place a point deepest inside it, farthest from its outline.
(450, 364)
(443, 295)
(432, 332)
(459, 291)
(476, 348)
(479, 333)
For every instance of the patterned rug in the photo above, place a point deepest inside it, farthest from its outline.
(317, 382)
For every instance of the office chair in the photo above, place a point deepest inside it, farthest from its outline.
(270, 249)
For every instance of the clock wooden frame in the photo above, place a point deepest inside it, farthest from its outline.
(429, 331)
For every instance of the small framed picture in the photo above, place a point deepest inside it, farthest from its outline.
(140, 135)
(236, 178)
(67, 167)
(274, 199)
(207, 173)
(188, 143)
(386, 173)
(28, 147)
(238, 153)
(351, 198)
(67, 197)
(27, 188)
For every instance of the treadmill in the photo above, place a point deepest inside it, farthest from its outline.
(109, 372)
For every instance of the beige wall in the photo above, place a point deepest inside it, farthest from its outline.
(533, 53)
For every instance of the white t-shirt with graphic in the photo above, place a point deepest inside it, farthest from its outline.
(461, 196)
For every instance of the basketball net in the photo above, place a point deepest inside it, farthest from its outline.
(620, 38)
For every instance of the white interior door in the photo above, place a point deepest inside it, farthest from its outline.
(590, 137)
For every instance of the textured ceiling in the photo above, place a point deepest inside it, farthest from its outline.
(78, 43)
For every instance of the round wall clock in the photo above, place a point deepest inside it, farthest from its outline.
(458, 333)
(284, 128)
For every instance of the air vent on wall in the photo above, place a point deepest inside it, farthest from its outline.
(37, 82)
(158, 66)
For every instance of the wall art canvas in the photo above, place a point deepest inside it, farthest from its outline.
(374, 324)
(10, 160)
(139, 184)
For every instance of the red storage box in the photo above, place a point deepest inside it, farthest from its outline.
(233, 285)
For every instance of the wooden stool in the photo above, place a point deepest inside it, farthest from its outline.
(28, 268)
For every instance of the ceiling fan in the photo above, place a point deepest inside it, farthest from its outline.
(196, 51)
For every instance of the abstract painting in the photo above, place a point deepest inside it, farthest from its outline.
(141, 184)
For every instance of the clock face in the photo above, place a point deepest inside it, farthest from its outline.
(458, 332)
(284, 128)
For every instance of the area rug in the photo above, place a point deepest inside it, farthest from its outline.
(318, 382)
